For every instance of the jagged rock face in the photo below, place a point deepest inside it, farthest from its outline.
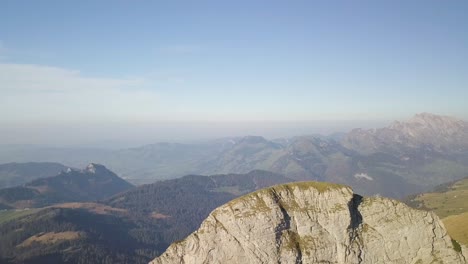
(312, 222)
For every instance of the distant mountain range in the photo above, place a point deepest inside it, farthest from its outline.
(403, 158)
(95, 182)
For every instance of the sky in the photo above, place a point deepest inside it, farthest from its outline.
(108, 65)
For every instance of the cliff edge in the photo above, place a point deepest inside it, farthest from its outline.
(314, 222)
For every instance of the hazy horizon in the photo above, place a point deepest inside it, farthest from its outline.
(118, 135)
(77, 73)
(126, 134)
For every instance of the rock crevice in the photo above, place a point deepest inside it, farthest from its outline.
(354, 231)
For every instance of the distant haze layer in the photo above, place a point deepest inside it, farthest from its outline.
(118, 135)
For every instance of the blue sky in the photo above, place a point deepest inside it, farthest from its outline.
(151, 61)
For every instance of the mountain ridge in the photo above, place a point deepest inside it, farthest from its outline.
(442, 133)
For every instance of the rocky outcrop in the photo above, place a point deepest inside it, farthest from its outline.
(312, 222)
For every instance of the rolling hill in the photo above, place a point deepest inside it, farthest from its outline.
(184, 202)
(73, 234)
(132, 227)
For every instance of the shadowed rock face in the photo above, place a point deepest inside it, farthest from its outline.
(313, 222)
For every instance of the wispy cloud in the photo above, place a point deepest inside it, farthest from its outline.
(36, 92)
(37, 78)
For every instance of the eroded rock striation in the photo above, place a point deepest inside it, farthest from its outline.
(313, 222)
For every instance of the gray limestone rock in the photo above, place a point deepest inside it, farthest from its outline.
(313, 222)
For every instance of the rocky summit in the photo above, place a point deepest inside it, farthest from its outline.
(313, 222)
(441, 134)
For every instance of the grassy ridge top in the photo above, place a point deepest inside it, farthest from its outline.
(304, 185)
(321, 187)
(457, 227)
